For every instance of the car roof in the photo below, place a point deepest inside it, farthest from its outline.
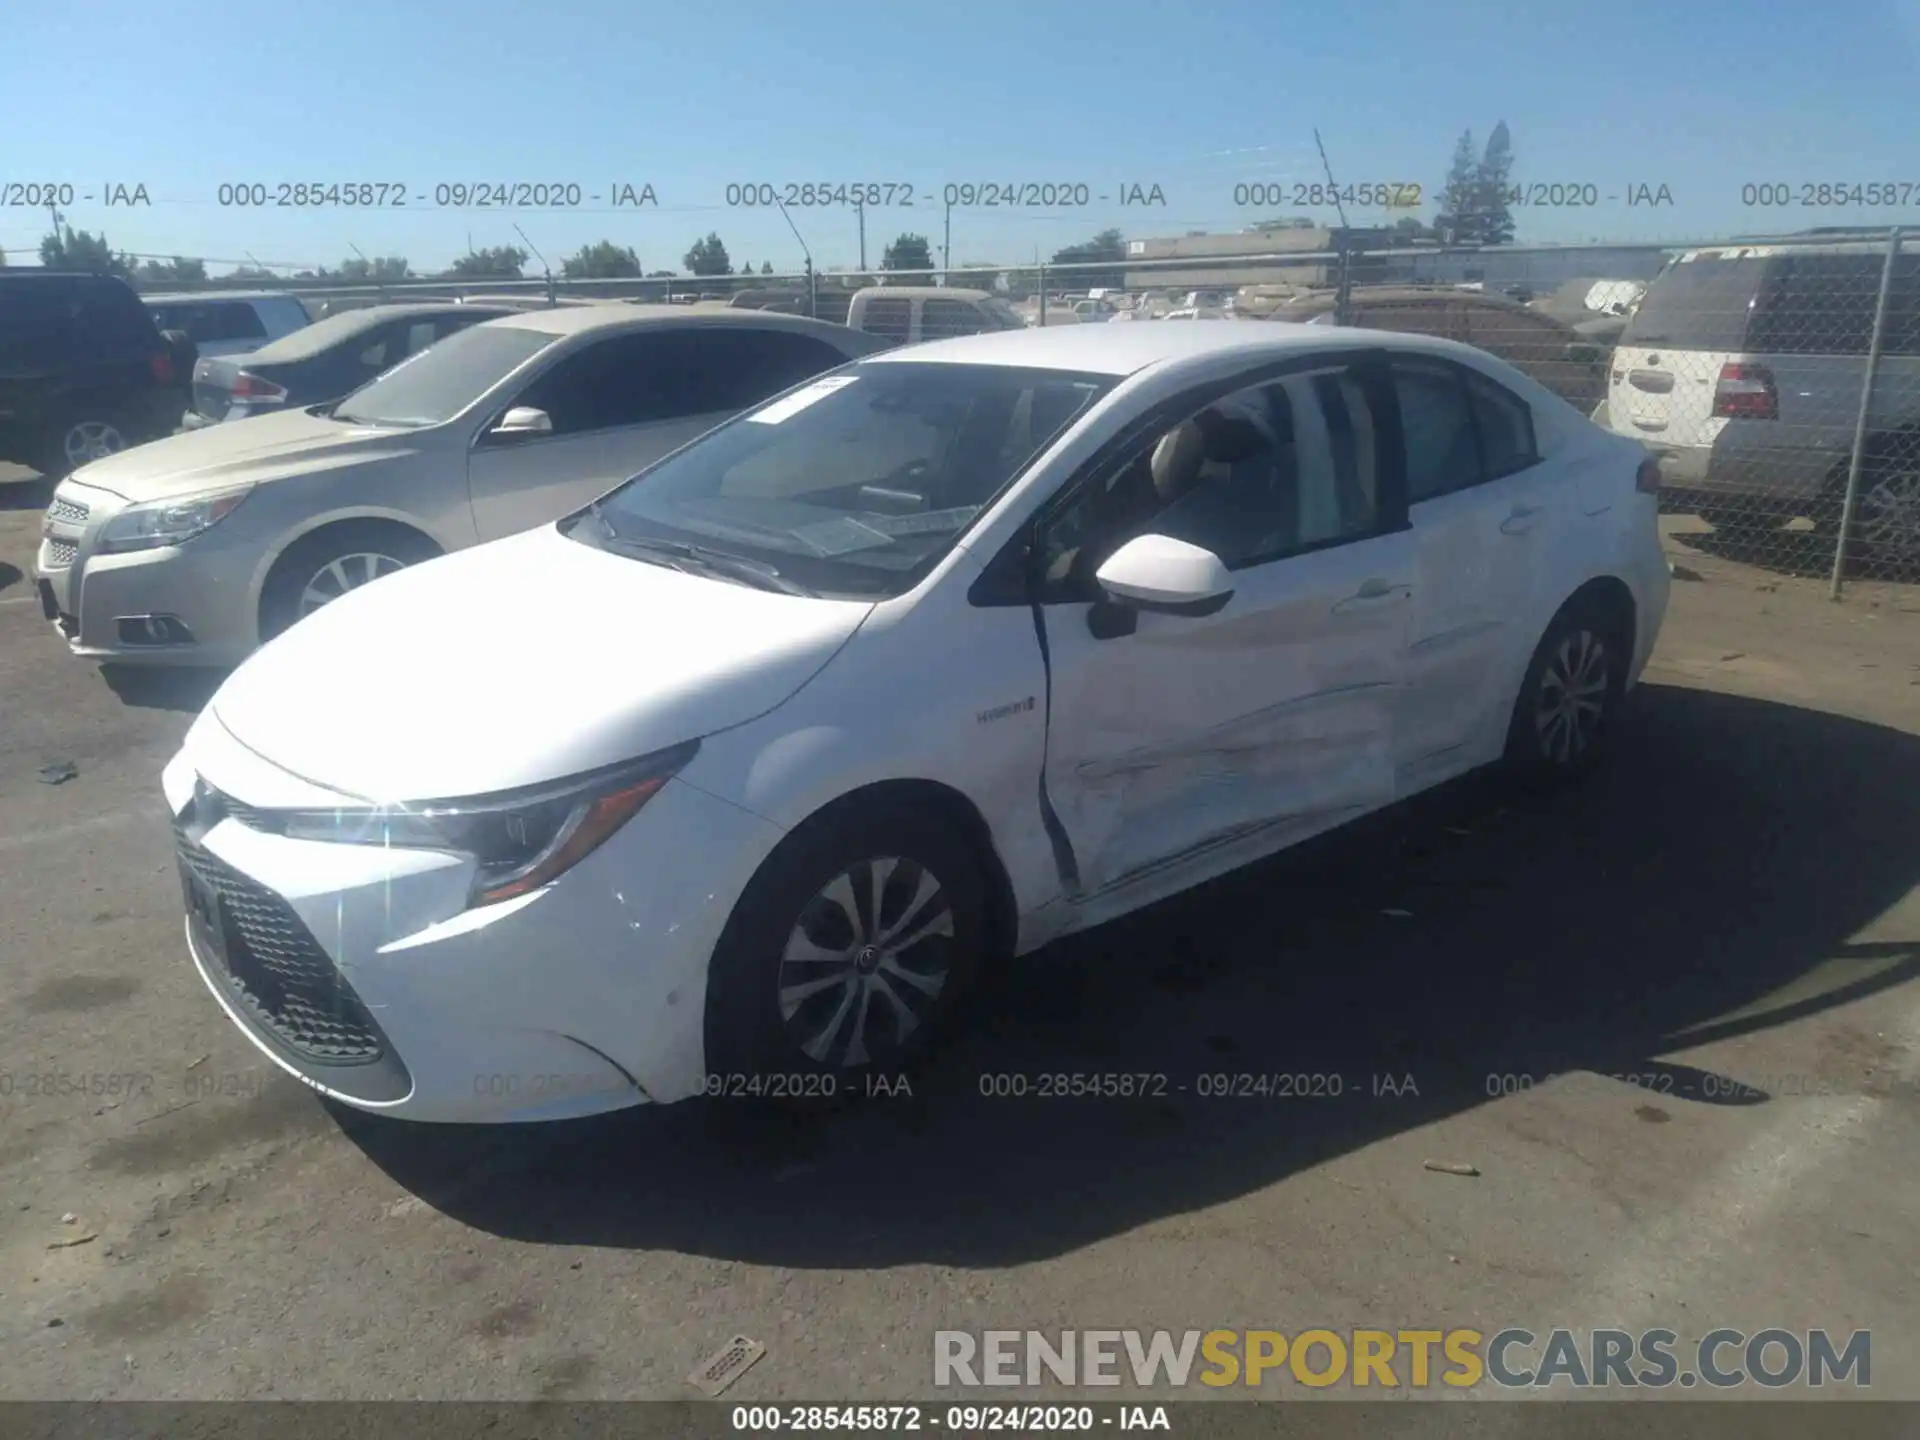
(1121, 350)
(38, 275)
(340, 329)
(586, 319)
(189, 297)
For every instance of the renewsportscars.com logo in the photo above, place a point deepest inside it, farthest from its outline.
(1402, 1359)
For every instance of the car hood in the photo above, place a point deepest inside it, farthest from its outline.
(524, 660)
(263, 448)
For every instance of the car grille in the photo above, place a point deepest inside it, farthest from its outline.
(277, 971)
(58, 554)
(65, 509)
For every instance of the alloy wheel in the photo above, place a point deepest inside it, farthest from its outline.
(866, 962)
(1572, 696)
(344, 573)
(91, 440)
(1889, 516)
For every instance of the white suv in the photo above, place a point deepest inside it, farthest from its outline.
(1742, 370)
(229, 322)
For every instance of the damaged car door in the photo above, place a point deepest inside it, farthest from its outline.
(1188, 739)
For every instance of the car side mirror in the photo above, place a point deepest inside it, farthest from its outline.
(1164, 576)
(520, 423)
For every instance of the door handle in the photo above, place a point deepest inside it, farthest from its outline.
(1523, 519)
(1373, 595)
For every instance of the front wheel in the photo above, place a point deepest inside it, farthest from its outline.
(324, 566)
(844, 955)
(1564, 715)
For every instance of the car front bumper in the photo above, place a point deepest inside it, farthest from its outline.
(189, 604)
(363, 972)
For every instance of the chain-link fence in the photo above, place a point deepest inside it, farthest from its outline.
(1778, 381)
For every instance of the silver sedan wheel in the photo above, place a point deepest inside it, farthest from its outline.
(1573, 696)
(1889, 517)
(347, 572)
(866, 962)
(91, 440)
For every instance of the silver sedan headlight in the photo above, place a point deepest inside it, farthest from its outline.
(168, 522)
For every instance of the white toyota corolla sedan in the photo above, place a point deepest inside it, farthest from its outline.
(732, 780)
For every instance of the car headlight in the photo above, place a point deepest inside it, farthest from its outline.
(520, 840)
(168, 522)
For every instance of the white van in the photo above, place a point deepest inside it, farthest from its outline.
(1742, 370)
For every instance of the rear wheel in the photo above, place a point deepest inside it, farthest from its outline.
(324, 566)
(79, 437)
(1886, 519)
(845, 954)
(1564, 715)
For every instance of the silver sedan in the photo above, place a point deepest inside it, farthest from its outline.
(197, 548)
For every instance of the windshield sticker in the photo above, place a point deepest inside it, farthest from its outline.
(931, 522)
(800, 399)
(841, 537)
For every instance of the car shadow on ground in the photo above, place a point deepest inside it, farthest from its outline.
(32, 493)
(1803, 554)
(10, 576)
(1734, 849)
(183, 688)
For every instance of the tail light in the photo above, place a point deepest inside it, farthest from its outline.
(250, 387)
(1647, 481)
(1745, 392)
(161, 363)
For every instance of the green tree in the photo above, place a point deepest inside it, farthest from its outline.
(1490, 180)
(248, 272)
(766, 267)
(499, 262)
(1106, 246)
(1456, 224)
(359, 270)
(177, 271)
(70, 249)
(602, 261)
(908, 252)
(708, 257)
(663, 275)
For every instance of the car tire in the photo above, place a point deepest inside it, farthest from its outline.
(808, 998)
(330, 562)
(1563, 718)
(80, 435)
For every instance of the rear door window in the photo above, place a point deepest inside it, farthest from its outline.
(1437, 424)
(891, 317)
(1818, 305)
(1703, 304)
(940, 319)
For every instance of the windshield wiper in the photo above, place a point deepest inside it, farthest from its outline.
(716, 562)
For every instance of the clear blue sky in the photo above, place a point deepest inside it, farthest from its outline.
(1196, 97)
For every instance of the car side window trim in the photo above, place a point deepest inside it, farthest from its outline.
(1008, 579)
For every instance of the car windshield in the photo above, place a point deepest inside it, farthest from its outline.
(856, 483)
(1701, 304)
(435, 385)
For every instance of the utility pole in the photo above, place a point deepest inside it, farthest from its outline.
(860, 208)
(946, 250)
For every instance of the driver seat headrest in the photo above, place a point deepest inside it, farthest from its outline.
(1176, 461)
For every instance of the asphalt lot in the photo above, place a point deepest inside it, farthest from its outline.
(1735, 900)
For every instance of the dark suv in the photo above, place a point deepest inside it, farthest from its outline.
(84, 371)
